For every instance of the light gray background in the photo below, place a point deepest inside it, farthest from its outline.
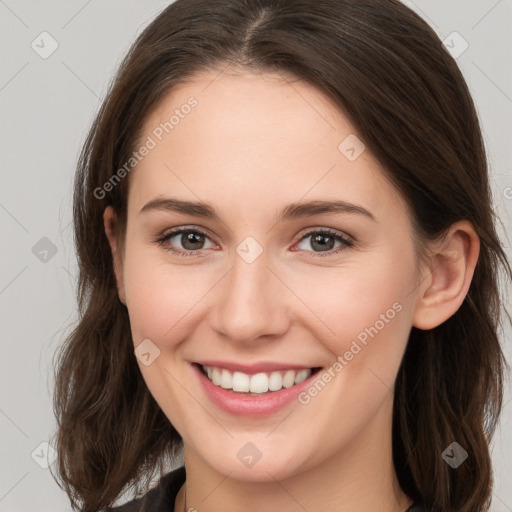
(47, 106)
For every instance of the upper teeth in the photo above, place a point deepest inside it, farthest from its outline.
(258, 382)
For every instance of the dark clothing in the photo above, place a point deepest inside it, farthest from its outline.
(162, 497)
(159, 499)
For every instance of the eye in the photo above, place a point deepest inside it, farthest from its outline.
(191, 240)
(324, 240)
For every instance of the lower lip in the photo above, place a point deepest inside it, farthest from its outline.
(251, 406)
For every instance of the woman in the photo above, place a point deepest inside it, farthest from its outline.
(288, 269)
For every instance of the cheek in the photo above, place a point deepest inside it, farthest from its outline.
(363, 311)
(162, 298)
(369, 311)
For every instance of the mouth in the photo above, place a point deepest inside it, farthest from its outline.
(255, 384)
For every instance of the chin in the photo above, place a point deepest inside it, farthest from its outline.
(258, 461)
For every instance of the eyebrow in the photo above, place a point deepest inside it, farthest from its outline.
(290, 211)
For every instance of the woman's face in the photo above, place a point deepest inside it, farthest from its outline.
(266, 286)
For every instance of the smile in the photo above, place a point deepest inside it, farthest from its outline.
(257, 383)
(261, 390)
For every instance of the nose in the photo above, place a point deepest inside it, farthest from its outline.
(252, 304)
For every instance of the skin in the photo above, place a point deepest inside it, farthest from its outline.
(252, 145)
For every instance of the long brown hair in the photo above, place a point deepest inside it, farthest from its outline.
(389, 73)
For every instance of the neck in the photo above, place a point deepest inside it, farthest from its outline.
(359, 477)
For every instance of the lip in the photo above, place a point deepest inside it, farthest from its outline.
(261, 367)
(251, 406)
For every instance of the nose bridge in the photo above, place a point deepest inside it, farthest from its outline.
(253, 301)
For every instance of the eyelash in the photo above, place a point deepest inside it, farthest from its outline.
(346, 242)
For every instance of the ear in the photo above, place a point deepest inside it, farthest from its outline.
(109, 221)
(445, 284)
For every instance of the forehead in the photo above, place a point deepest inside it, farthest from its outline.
(254, 138)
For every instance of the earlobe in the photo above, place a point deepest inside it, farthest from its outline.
(109, 222)
(448, 277)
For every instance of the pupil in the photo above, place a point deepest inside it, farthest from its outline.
(322, 246)
(191, 238)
